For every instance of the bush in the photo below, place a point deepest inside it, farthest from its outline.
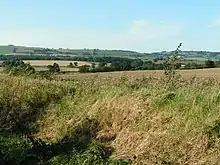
(54, 68)
(18, 67)
(209, 64)
(84, 69)
(70, 65)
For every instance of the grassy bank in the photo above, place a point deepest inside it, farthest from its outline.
(143, 121)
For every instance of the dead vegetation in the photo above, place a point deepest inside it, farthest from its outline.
(141, 119)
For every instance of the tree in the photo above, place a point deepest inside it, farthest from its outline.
(115, 66)
(93, 65)
(102, 64)
(70, 65)
(155, 60)
(95, 52)
(84, 69)
(209, 64)
(137, 64)
(54, 68)
(18, 67)
(12, 63)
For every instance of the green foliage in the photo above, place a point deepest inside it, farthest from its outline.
(18, 67)
(167, 125)
(93, 65)
(22, 106)
(209, 64)
(193, 66)
(170, 67)
(95, 52)
(94, 154)
(170, 63)
(213, 132)
(54, 68)
(12, 63)
(102, 64)
(27, 51)
(16, 150)
(84, 68)
(70, 65)
(6, 49)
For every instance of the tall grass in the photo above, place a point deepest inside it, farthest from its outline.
(87, 122)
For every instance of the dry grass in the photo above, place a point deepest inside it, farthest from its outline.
(62, 68)
(142, 119)
(202, 73)
(145, 125)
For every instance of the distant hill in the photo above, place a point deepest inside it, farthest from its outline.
(6, 49)
(22, 50)
(11, 49)
(191, 55)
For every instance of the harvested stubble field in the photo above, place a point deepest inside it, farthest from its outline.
(41, 65)
(62, 68)
(201, 73)
(50, 62)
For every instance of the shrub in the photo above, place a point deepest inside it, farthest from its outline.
(70, 65)
(209, 64)
(84, 69)
(54, 68)
(18, 67)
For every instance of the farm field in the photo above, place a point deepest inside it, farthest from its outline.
(62, 68)
(203, 73)
(1, 69)
(41, 65)
(50, 62)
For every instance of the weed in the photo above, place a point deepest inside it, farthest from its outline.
(170, 67)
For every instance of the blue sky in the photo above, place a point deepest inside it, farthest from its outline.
(141, 25)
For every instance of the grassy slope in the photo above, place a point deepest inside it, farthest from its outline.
(120, 53)
(6, 49)
(113, 53)
(9, 49)
(142, 120)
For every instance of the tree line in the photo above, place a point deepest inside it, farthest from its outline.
(107, 64)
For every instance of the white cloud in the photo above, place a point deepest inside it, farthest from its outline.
(138, 26)
(142, 35)
(151, 31)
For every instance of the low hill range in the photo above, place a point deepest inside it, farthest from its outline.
(23, 50)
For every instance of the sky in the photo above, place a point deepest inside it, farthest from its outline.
(139, 25)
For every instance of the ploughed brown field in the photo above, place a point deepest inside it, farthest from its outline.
(203, 73)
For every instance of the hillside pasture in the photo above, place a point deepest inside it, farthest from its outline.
(6, 50)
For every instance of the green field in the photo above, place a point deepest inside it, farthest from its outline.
(23, 49)
(197, 58)
(6, 49)
(189, 55)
